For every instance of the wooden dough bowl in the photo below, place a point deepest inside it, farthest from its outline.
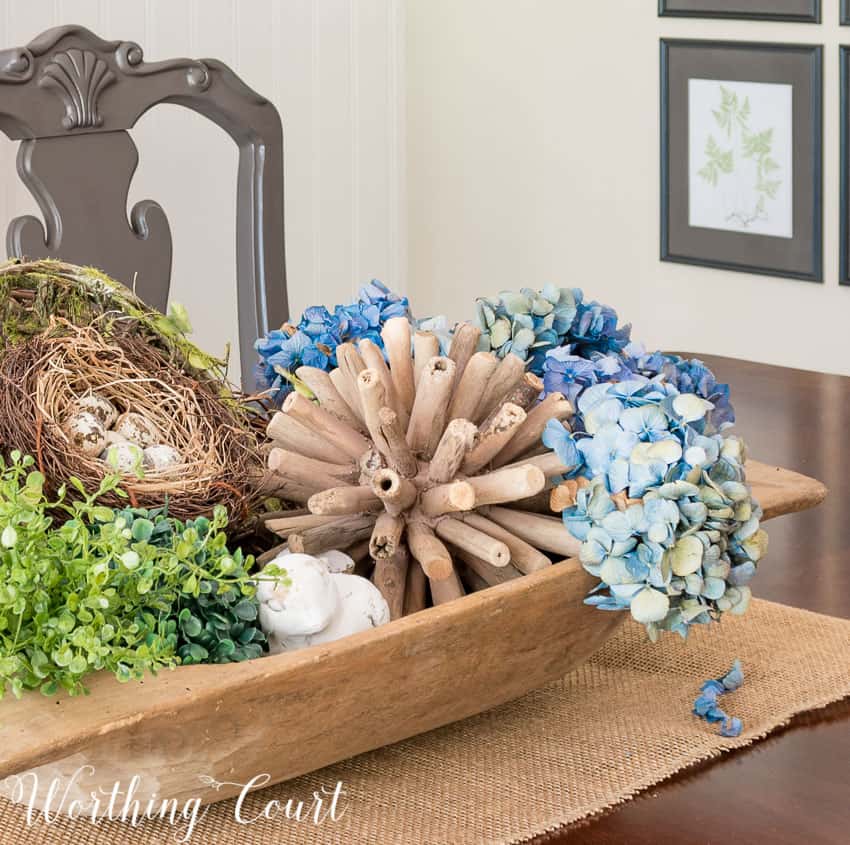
(293, 713)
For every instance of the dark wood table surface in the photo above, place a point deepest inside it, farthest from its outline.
(794, 786)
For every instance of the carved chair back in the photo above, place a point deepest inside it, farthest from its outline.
(70, 98)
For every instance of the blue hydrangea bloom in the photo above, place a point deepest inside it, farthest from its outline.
(665, 519)
(313, 341)
(530, 323)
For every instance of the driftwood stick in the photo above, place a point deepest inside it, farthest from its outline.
(432, 555)
(463, 346)
(390, 577)
(428, 417)
(344, 500)
(415, 593)
(544, 532)
(267, 515)
(554, 406)
(446, 589)
(285, 525)
(350, 365)
(400, 456)
(548, 463)
(272, 484)
(290, 434)
(354, 444)
(492, 575)
(458, 438)
(538, 503)
(527, 392)
(504, 379)
(373, 357)
(524, 556)
(344, 388)
(426, 346)
(386, 537)
(465, 536)
(396, 337)
(322, 538)
(507, 485)
(448, 498)
(398, 494)
(373, 397)
(309, 471)
(470, 387)
(493, 437)
(471, 580)
(329, 397)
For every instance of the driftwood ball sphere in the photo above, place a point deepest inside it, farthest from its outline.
(434, 461)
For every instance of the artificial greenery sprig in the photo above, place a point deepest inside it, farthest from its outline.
(85, 588)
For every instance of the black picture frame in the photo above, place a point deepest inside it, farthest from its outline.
(844, 233)
(810, 10)
(801, 257)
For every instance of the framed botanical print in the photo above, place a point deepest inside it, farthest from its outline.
(741, 156)
(802, 11)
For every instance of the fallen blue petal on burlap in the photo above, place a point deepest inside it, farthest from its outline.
(707, 708)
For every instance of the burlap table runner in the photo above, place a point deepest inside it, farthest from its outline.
(620, 723)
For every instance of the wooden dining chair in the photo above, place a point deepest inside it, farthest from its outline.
(71, 98)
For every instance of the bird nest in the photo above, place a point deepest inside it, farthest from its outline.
(42, 378)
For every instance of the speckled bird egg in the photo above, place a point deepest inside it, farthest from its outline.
(113, 437)
(86, 432)
(137, 429)
(162, 456)
(98, 405)
(124, 457)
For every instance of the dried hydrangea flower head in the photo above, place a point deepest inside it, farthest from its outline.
(665, 519)
(529, 323)
(312, 342)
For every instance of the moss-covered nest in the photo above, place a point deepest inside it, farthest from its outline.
(32, 293)
(68, 331)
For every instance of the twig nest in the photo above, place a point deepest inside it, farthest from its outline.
(303, 602)
(98, 405)
(86, 433)
(124, 457)
(160, 403)
(161, 456)
(137, 429)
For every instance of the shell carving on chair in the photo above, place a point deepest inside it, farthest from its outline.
(417, 461)
(79, 76)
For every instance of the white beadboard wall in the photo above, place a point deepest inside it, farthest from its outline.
(333, 68)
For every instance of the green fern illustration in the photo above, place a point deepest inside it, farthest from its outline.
(732, 118)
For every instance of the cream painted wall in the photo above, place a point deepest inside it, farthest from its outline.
(533, 157)
(333, 69)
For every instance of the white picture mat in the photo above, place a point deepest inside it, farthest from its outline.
(740, 156)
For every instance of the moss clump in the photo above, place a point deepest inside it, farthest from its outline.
(32, 293)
